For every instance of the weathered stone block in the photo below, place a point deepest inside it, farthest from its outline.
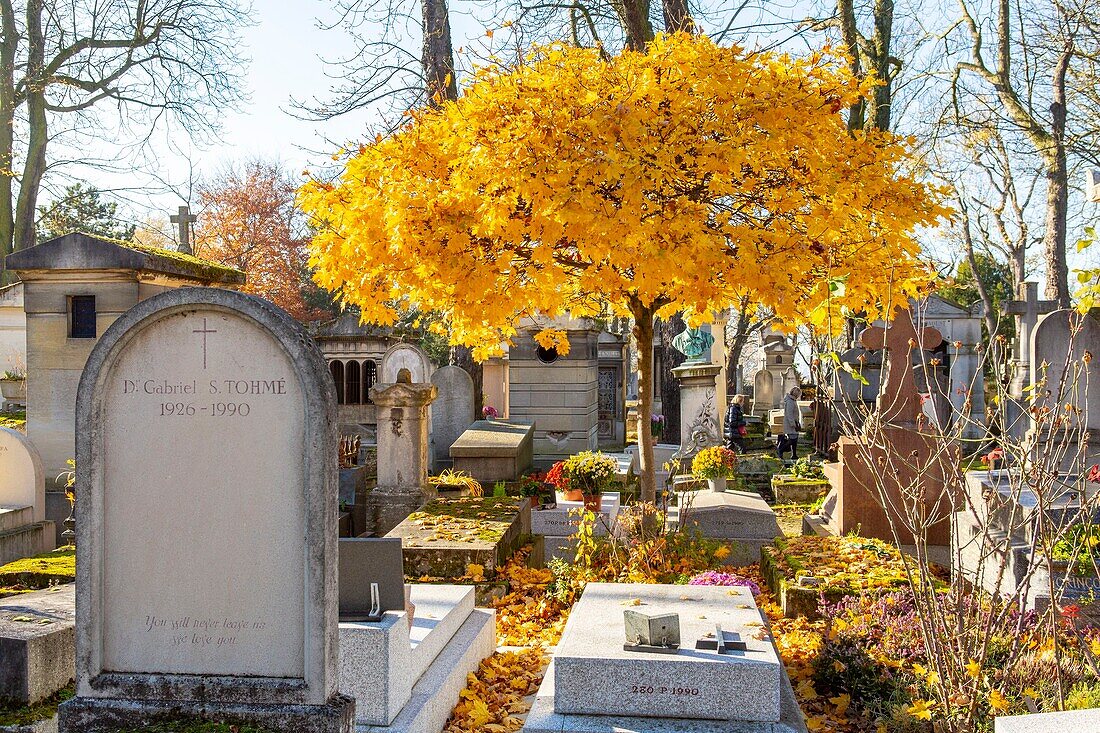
(37, 648)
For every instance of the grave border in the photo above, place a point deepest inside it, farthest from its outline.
(320, 678)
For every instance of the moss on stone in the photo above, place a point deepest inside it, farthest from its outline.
(194, 727)
(40, 571)
(196, 266)
(18, 714)
(16, 420)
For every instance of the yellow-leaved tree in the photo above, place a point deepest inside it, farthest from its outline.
(680, 178)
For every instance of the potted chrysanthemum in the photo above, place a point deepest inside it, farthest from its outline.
(590, 473)
(716, 465)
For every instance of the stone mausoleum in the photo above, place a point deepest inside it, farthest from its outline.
(74, 287)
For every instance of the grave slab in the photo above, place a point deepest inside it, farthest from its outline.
(37, 648)
(449, 534)
(1064, 722)
(594, 675)
(563, 519)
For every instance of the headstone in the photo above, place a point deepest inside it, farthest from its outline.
(367, 561)
(700, 421)
(776, 357)
(407, 357)
(24, 530)
(206, 570)
(452, 410)
(1028, 309)
(741, 517)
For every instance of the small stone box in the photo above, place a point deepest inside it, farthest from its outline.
(494, 450)
(563, 520)
(594, 675)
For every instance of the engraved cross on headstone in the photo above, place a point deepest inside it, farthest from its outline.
(204, 331)
(184, 219)
(898, 399)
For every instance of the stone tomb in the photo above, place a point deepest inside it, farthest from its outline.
(1001, 532)
(196, 407)
(594, 685)
(36, 644)
(24, 530)
(406, 669)
(494, 450)
(741, 517)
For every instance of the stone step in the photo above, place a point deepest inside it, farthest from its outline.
(440, 612)
(832, 473)
(12, 517)
(381, 662)
(436, 693)
(26, 541)
(37, 643)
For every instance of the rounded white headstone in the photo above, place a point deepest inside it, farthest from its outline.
(22, 481)
(452, 410)
(405, 356)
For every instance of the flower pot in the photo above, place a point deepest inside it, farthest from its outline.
(13, 389)
(717, 484)
(573, 495)
(592, 502)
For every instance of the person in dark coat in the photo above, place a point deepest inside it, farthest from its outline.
(792, 425)
(735, 425)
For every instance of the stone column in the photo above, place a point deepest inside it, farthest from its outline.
(699, 409)
(403, 458)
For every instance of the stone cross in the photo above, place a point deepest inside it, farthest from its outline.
(184, 219)
(899, 400)
(1028, 309)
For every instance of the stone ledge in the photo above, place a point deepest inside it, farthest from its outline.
(436, 693)
(95, 715)
(37, 657)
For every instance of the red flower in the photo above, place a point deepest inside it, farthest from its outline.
(556, 476)
(1094, 474)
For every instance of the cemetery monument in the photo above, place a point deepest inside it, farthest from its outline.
(206, 521)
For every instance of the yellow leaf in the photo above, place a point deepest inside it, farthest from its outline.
(973, 669)
(921, 709)
(997, 701)
(841, 702)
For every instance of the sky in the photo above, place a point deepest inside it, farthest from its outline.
(283, 47)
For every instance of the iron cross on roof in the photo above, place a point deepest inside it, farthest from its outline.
(898, 398)
(184, 219)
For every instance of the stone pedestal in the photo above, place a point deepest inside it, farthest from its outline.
(403, 457)
(699, 408)
(898, 454)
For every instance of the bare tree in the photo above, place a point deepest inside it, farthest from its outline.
(146, 61)
(1035, 76)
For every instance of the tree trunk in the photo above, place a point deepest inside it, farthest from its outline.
(846, 12)
(634, 19)
(884, 24)
(677, 16)
(9, 42)
(438, 54)
(37, 133)
(643, 335)
(1057, 175)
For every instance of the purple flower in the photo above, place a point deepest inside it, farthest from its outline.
(713, 577)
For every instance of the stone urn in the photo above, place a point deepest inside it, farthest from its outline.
(717, 484)
(13, 390)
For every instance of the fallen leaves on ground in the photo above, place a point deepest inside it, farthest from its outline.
(494, 695)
